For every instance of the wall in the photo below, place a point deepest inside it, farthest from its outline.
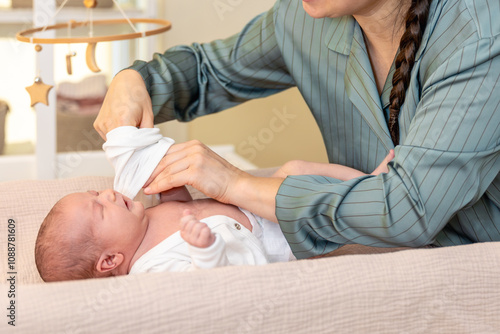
(268, 131)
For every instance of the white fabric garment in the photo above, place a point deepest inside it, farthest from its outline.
(234, 245)
(275, 245)
(134, 154)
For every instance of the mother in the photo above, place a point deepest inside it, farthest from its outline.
(418, 75)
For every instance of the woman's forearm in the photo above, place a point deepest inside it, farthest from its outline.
(256, 194)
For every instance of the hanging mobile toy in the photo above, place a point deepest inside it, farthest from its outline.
(70, 54)
(28, 36)
(38, 91)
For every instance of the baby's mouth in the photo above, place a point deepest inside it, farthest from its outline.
(127, 203)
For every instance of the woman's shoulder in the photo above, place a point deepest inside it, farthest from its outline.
(465, 19)
(452, 26)
(482, 13)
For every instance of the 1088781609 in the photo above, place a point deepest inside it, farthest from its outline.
(11, 273)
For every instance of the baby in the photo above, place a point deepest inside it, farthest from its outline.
(99, 234)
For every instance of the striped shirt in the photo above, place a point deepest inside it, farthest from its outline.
(442, 188)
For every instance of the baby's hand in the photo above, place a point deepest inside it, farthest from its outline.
(194, 232)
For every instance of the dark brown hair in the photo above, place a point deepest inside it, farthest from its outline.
(415, 22)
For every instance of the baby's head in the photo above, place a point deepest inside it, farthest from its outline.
(88, 235)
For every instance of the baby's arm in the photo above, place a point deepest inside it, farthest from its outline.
(205, 248)
(343, 173)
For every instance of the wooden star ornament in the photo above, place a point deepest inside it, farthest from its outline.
(90, 3)
(39, 92)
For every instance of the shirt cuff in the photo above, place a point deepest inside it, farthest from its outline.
(209, 257)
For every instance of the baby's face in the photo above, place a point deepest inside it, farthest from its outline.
(117, 222)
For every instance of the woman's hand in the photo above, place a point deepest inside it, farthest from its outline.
(192, 163)
(382, 168)
(195, 164)
(127, 102)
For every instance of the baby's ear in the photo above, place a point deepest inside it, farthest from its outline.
(109, 262)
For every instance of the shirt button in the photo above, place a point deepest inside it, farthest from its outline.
(238, 226)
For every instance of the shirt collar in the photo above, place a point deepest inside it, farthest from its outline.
(340, 34)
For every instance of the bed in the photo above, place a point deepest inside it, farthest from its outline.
(355, 290)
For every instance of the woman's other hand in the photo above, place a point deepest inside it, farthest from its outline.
(127, 102)
(382, 168)
(193, 163)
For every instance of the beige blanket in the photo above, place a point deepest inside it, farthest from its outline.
(444, 290)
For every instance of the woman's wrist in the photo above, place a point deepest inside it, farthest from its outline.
(255, 194)
(130, 74)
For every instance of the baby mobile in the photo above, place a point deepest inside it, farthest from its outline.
(39, 91)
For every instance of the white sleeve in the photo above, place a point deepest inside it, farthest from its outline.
(134, 154)
(209, 257)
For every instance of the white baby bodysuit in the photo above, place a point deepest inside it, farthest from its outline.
(134, 154)
(234, 245)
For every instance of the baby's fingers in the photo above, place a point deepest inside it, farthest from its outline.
(205, 238)
(197, 234)
(194, 232)
(188, 221)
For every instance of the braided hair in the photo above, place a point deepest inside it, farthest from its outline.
(416, 19)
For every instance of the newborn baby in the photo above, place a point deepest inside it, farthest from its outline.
(99, 234)
(93, 234)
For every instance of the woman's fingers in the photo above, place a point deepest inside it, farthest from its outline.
(382, 168)
(166, 181)
(210, 180)
(127, 102)
(147, 120)
(195, 164)
(175, 153)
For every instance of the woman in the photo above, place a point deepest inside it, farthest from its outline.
(419, 76)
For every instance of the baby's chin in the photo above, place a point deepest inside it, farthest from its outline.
(138, 208)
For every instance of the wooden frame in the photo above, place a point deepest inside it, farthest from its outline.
(92, 41)
(164, 26)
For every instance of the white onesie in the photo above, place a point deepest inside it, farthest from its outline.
(234, 245)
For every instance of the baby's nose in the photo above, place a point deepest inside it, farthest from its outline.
(108, 194)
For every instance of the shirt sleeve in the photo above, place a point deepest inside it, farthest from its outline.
(190, 81)
(209, 257)
(447, 160)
